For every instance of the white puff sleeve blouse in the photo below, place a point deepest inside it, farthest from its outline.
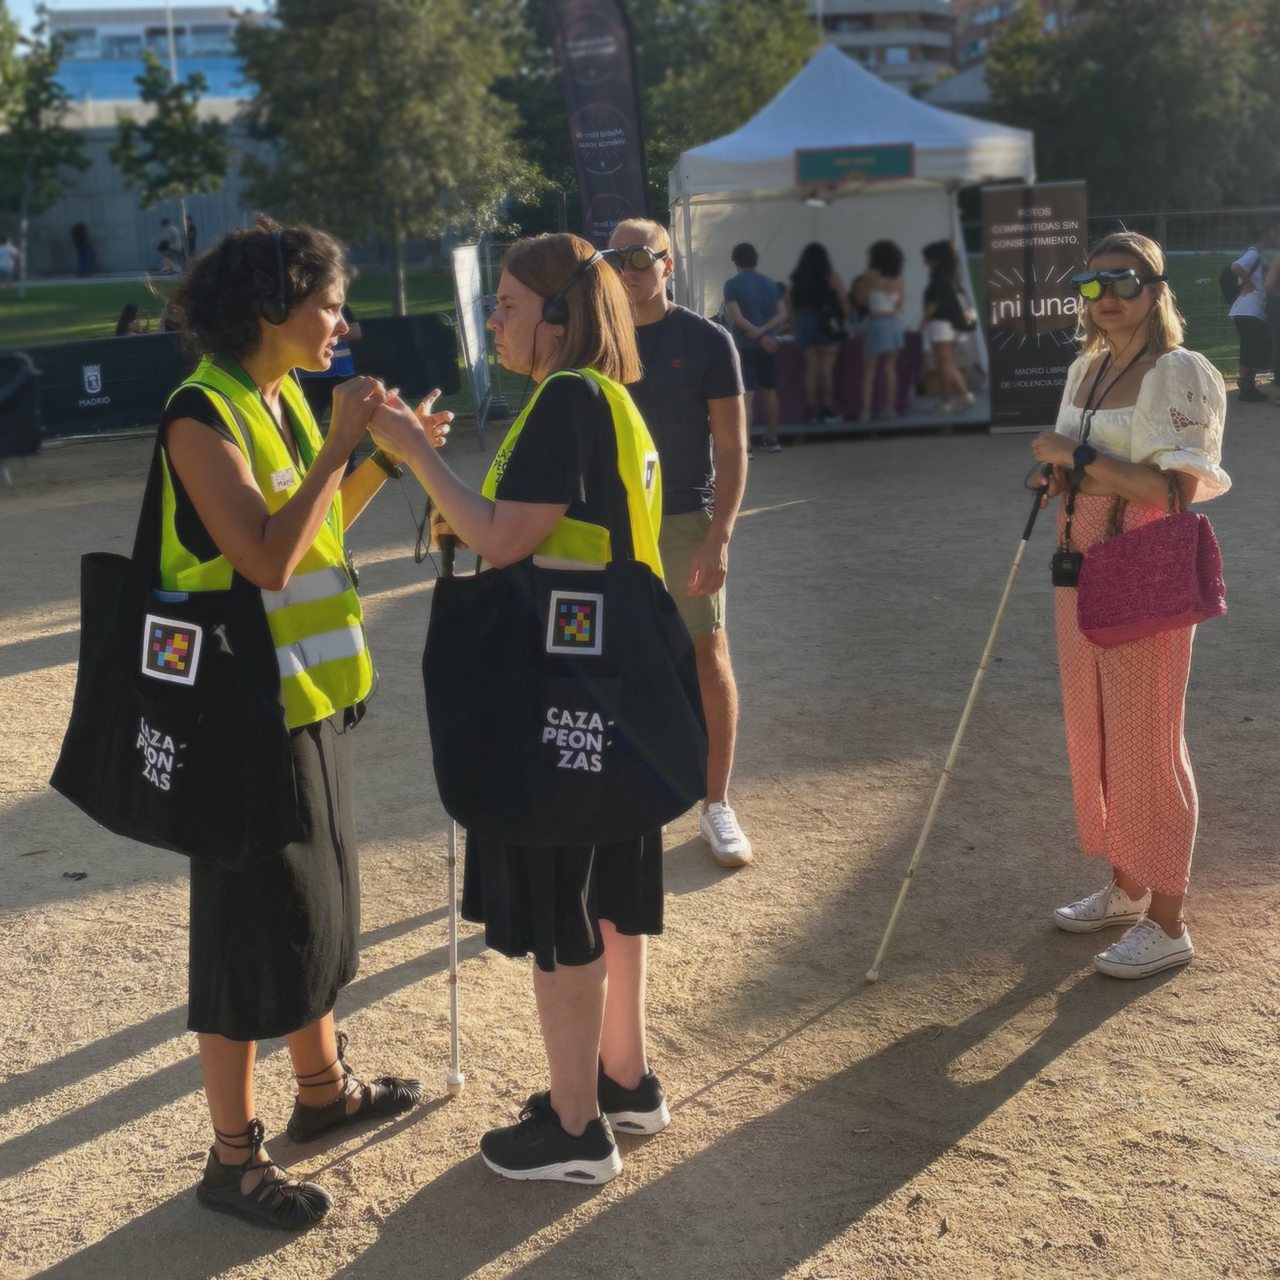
(1175, 425)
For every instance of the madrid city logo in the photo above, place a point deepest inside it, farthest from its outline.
(91, 377)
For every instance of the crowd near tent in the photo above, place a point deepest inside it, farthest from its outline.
(808, 167)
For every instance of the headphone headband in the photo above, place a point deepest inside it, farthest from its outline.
(555, 310)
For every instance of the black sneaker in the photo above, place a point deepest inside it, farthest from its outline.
(1251, 394)
(639, 1110)
(537, 1147)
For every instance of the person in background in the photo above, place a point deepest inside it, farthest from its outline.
(880, 290)
(8, 262)
(1249, 311)
(84, 251)
(690, 396)
(816, 302)
(273, 943)
(1273, 318)
(169, 247)
(1139, 412)
(556, 486)
(756, 310)
(131, 321)
(319, 386)
(191, 237)
(941, 315)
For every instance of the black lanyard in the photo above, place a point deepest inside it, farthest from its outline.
(1086, 425)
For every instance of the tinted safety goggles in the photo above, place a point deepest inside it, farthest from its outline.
(639, 257)
(1124, 284)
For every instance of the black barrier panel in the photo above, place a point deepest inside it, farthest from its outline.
(110, 384)
(414, 353)
(107, 384)
(19, 407)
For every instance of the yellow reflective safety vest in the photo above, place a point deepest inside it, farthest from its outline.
(316, 620)
(637, 465)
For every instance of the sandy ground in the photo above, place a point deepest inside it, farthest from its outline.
(991, 1108)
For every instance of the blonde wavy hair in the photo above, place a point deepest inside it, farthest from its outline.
(1168, 328)
(600, 333)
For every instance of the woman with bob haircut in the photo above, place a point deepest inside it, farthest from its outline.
(564, 320)
(1139, 413)
(252, 490)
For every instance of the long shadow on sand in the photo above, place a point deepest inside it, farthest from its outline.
(809, 1169)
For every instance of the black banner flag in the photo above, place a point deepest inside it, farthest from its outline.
(1033, 242)
(593, 47)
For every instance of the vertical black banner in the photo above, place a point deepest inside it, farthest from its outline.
(593, 47)
(1034, 239)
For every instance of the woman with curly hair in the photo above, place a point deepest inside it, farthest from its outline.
(253, 493)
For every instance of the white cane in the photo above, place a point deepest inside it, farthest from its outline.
(873, 974)
(454, 1080)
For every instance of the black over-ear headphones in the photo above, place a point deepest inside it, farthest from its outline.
(275, 309)
(556, 310)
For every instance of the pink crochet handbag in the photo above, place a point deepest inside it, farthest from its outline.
(1158, 577)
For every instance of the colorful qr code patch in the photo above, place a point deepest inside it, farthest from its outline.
(171, 649)
(575, 623)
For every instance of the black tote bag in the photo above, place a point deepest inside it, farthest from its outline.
(177, 735)
(563, 704)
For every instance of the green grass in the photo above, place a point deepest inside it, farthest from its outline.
(73, 312)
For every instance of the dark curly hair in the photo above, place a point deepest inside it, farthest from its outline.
(885, 257)
(218, 303)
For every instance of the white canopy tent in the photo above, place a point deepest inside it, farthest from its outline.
(744, 186)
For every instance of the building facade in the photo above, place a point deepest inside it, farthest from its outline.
(977, 21)
(906, 42)
(103, 50)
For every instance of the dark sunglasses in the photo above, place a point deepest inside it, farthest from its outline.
(1124, 284)
(639, 257)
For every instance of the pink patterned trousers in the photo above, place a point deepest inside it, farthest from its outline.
(1135, 795)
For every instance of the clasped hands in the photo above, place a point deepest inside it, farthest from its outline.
(396, 429)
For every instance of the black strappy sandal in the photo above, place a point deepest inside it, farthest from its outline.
(385, 1096)
(273, 1201)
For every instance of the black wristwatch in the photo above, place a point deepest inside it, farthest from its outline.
(1084, 454)
(380, 459)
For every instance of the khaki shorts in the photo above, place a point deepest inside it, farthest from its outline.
(680, 537)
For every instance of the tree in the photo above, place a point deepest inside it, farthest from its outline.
(377, 117)
(705, 67)
(175, 153)
(1158, 104)
(37, 154)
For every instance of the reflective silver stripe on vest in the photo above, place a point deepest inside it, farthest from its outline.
(307, 588)
(297, 658)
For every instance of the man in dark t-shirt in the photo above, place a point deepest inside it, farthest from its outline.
(691, 398)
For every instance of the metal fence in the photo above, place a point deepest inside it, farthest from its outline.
(1198, 244)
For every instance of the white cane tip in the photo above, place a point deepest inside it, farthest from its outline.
(454, 1083)
(873, 975)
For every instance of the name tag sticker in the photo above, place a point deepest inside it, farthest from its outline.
(282, 480)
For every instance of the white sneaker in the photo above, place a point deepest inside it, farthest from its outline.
(719, 827)
(1144, 950)
(1101, 910)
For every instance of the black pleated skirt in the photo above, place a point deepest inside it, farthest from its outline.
(549, 902)
(272, 945)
